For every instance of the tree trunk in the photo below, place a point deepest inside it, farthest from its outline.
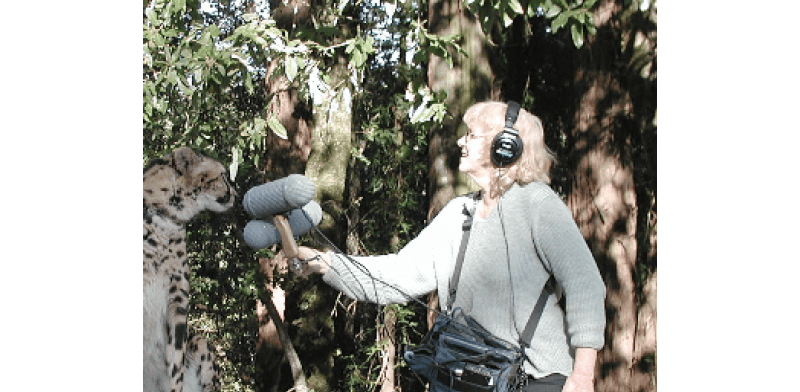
(284, 157)
(470, 80)
(386, 339)
(606, 201)
(272, 331)
(327, 165)
(327, 168)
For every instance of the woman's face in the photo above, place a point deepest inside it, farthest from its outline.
(474, 152)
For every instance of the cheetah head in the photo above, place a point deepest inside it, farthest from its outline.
(182, 184)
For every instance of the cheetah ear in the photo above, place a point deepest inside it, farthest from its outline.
(184, 158)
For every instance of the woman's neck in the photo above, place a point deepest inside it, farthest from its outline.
(486, 204)
(488, 196)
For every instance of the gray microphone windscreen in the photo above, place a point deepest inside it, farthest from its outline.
(278, 196)
(261, 233)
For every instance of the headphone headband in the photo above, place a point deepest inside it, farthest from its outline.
(511, 114)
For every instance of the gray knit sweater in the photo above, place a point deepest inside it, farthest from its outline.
(537, 234)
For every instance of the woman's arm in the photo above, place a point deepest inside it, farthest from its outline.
(385, 279)
(397, 277)
(565, 253)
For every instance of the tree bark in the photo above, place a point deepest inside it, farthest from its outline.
(606, 201)
(284, 157)
(327, 165)
(273, 343)
(470, 80)
(386, 338)
(300, 384)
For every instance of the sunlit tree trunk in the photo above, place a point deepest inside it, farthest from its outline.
(327, 165)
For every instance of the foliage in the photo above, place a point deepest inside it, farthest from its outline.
(197, 90)
(205, 89)
(575, 16)
(225, 287)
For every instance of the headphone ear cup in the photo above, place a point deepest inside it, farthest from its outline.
(506, 147)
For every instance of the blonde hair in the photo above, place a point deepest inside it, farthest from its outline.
(536, 160)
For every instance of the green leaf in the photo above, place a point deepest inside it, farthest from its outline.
(577, 35)
(234, 167)
(516, 7)
(559, 22)
(553, 11)
(368, 46)
(291, 68)
(590, 28)
(277, 128)
(508, 19)
(248, 83)
(178, 6)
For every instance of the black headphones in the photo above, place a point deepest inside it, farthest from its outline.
(507, 145)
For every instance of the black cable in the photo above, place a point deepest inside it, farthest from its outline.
(508, 252)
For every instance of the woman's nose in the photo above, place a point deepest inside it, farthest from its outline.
(461, 142)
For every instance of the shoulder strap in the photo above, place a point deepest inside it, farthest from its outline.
(466, 227)
(536, 314)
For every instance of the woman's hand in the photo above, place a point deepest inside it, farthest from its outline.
(315, 262)
(582, 378)
(579, 383)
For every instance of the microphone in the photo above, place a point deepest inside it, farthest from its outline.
(263, 233)
(279, 196)
(271, 202)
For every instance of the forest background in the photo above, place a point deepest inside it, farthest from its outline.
(366, 99)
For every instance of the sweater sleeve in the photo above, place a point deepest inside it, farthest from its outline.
(396, 278)
(566, 255)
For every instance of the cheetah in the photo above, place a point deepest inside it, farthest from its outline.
(176, 188)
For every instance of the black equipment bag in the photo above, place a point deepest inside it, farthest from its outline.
(458, 354)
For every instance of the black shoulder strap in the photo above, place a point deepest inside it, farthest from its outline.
(527, 334)
(466, 227)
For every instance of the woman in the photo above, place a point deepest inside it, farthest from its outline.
(521, 233)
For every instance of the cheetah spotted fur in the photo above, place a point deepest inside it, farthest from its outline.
(176, 188)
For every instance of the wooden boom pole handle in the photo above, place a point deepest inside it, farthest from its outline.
(287, 237)
(287, 241)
